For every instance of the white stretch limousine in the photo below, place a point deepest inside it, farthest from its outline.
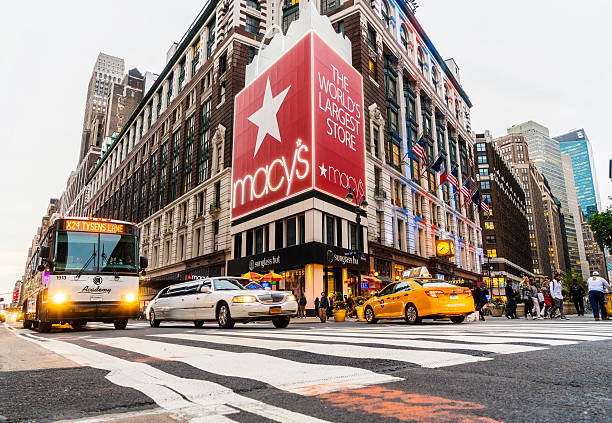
(224, 299)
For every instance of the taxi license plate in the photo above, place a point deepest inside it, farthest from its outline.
(454, 297)
(95, 298)
(275, 310)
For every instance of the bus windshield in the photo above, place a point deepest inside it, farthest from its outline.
(94, 253)
(117, 253)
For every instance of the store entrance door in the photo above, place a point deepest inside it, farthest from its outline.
(332, 280)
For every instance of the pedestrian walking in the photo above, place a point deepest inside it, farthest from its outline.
(350, 305)
(330, 305)
(526, 295)
(316, 306)
(510, 303)
(481, 294)
(548, 302)
(557, 295)
(302, 306)
(541, 302)
(323, 306)
(577, 292)
(596, 287)
(535, 302)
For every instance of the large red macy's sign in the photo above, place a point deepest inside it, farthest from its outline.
(298, 127)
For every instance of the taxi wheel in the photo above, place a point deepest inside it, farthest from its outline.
(412, 315)
(369, 315)
(198, 323)
(120, 324)
(224, 318)
(457, 319)
(152, 321)
(281, 322)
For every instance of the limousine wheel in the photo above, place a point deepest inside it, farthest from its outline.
(152, 321)
(120, 324)
(198, 323)
(281, 322)
(224, 318)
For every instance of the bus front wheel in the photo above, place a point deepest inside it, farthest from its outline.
(44, 327)
(120, 324)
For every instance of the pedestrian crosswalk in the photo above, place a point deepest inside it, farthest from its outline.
(304, 360)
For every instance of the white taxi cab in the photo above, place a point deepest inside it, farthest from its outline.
(223, 299)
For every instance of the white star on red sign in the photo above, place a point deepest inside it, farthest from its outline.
(265, 117)
(323, 170)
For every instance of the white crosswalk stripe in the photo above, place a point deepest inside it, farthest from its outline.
(287, 375)
(423, 358)
(193, 399)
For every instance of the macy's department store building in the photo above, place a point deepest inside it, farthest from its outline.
(298, 150)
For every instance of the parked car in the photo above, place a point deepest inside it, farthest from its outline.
(223, 299)
(420, 298)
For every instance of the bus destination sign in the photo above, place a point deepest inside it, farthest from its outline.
(91, 226)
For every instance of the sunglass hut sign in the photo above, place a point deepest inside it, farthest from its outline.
(299, 127)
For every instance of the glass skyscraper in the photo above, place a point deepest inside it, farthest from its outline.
(576, 144)
(545, 153)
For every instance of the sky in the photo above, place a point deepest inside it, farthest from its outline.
(543, 60)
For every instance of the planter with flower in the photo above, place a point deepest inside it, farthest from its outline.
(339, 310)
(497, 306)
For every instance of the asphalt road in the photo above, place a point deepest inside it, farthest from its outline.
(493, 371)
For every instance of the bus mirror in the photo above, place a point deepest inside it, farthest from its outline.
(144, 262)
(41, 267)
(44, 252)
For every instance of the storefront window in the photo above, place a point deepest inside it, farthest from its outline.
(293, 280)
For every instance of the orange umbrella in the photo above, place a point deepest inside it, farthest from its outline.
(252, 276)
(272, 277)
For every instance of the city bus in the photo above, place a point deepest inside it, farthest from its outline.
(83, 270)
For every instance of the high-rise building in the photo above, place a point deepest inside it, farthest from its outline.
(106, 71)
(515, 152)
(545, 153)
(576, 144)
(578, 260)
(505, 229)
(170, 167)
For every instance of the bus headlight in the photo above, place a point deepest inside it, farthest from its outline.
(58, 298)
(130, 298)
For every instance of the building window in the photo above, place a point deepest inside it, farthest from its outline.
(480, 147)
(327, 5)
(210, 43)
(252, 25)
(237, 246)
(223, 60)
(251, 53)
(222, 92)
(372, 68)
(371, 38)
(492, 253)
(329, 230)
(483, 171)
(384, 10)
(291, 12)
(291, 231)
(253, 4)
(490, 239)
(302, 228)
(341, 27)
(375, 138)
(482, 159)
(489, 225)
(278, 234)
(404, 38)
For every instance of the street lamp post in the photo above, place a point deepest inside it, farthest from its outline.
(360, 203)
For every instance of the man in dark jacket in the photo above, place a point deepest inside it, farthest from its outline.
(480, 298)
(302, 305)
(511, 303)
(577, 293)
(323, 306)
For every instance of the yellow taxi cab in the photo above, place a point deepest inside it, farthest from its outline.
(418, 297)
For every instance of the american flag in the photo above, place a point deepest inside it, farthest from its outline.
(484, 204)
(419, 149)
(452, 177)
(465, 190)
